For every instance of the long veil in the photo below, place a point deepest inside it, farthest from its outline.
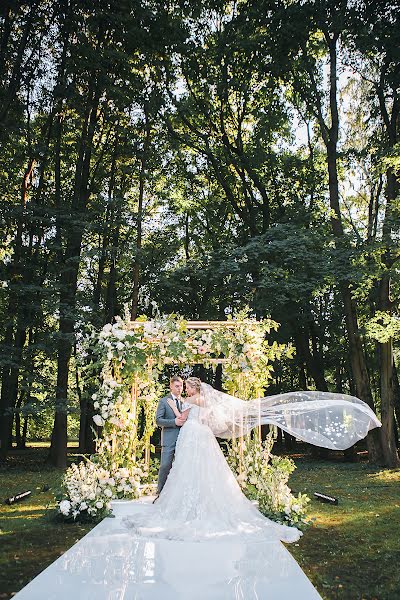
(335, 421)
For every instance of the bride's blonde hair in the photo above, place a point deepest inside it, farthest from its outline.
(194, 382)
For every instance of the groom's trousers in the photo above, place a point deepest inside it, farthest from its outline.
(167, 457)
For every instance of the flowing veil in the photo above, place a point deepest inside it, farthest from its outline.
(334, 421)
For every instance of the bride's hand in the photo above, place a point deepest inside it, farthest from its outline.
(174, 409)
(173, 405)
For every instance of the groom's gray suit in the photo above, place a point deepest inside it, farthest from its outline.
(165, 418)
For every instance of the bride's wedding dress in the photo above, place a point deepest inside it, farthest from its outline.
(201, 498)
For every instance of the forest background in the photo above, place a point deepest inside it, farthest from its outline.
(198, 157)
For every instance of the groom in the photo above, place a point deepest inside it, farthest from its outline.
(170, 426)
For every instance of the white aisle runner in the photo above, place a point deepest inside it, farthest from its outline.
(109, 563)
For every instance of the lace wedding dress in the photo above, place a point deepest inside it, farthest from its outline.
(201, 498)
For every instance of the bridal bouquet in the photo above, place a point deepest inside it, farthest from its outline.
(263, 477)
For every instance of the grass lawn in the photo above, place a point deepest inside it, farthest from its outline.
(353, 549)
(350, 553)
(30, 537)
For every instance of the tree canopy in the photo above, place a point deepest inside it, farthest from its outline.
(198, 158)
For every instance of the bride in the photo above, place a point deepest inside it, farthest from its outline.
(201, 498)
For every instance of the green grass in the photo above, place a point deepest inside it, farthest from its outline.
(30, 536)
(350, 553)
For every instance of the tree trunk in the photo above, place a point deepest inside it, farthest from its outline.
(5, 400)
(290, 441)
(25, 431)
(19, 276)
(139, 221)
(18, 434)
(16, 76)
(396, 394)
(357, 358)
(360, 373)
(9, 394)
(386, 349)
(111, 306)
(68, 284)
(387, 386)
(314, 367)
(390, 122)
(82, 407)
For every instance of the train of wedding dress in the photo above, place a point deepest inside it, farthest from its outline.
(202, 500)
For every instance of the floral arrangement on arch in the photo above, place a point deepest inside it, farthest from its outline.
(132, 356)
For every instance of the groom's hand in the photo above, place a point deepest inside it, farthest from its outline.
(179, 421)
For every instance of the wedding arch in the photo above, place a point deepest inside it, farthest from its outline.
(134, 354)
(131, 357)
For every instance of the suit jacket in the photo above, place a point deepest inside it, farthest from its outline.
(165, 418)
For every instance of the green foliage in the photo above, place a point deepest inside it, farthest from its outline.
(263, 477)
(383, 327)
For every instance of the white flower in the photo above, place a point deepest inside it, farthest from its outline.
(108, 492)
(241, 478)
(99, 504)
(107, 327)
(96, 405)
(98, 420)
(120, 346)
(83, 506)
(94, 396)
(119, 333)
(65, 507)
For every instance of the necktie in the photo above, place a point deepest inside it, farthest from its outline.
(178, 404)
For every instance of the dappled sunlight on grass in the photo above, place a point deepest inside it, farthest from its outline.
(28, 513)
(46, 444)
(363, 517)
(388, 475)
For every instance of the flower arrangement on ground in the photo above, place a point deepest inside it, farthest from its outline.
(263, 477)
